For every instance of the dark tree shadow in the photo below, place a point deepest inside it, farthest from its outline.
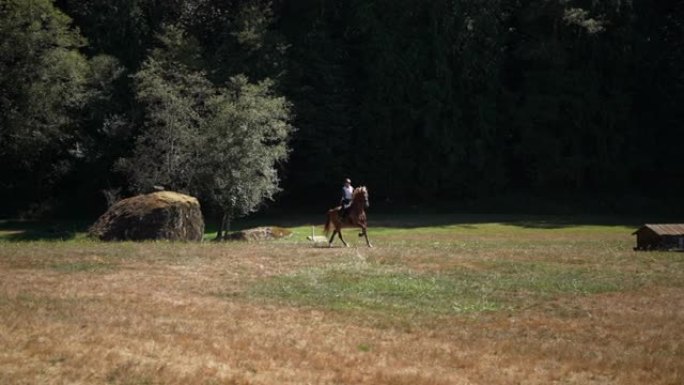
(387, 217)
(404, 218)
(18, 231)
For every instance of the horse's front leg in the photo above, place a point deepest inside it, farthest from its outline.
(339, 232)
(364, 232)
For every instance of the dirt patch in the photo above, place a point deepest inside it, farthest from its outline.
(259, 234)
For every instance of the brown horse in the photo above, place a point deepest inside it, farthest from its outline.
(356, 216)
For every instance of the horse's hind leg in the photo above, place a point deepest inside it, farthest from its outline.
(339, 232)
(331, 238)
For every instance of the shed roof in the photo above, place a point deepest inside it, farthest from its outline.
(664, 229)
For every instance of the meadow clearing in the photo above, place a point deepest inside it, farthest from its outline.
(441, 299)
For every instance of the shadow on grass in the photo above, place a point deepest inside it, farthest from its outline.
(415, 218)
(525, 221)
(18, 231)
(402, 218)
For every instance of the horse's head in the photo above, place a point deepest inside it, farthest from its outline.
(361, 193)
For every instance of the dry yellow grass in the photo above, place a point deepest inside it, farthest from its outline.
(159, 313)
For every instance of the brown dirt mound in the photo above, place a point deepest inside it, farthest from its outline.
(161, 215)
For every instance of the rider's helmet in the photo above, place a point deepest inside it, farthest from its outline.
(347, 181)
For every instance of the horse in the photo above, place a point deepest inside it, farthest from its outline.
(356, 216)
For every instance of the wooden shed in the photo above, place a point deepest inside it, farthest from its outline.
(660, 237)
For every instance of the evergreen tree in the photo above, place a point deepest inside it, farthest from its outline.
(319, 82)
(574, 96)
(446, 99)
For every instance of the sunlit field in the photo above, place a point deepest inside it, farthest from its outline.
(441, 299)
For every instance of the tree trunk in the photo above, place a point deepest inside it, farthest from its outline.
(226, 223)
(222, 227)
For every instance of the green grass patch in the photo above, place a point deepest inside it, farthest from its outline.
(493, 286)
(365, 287)
(535, 279)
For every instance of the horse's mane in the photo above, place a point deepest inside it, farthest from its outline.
(358, 190)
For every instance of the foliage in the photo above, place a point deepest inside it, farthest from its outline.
(452, 100)
(173, 98)
(244, 140)
(219, 143)
(42, 78)
(46, 85)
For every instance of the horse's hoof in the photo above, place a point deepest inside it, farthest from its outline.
(369, 245)
(360, 234)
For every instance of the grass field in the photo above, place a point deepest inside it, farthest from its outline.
(441, 299)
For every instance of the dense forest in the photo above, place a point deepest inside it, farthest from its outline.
(422, 101)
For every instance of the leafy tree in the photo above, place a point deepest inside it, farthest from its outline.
(46, 87)
(243, 141)
(237, 36)
(123, 28)
(172, 93)
(220, 143)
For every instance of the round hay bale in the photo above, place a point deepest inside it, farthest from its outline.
(161, 215)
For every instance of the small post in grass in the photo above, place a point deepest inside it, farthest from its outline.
(317, 240)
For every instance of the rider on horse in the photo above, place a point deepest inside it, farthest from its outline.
(346, 199)
(350, 213)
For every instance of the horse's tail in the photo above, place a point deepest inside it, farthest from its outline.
(328, 222)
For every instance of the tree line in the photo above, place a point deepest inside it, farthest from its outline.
(423, 101)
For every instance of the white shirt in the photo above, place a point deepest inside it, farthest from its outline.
(347, 192)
